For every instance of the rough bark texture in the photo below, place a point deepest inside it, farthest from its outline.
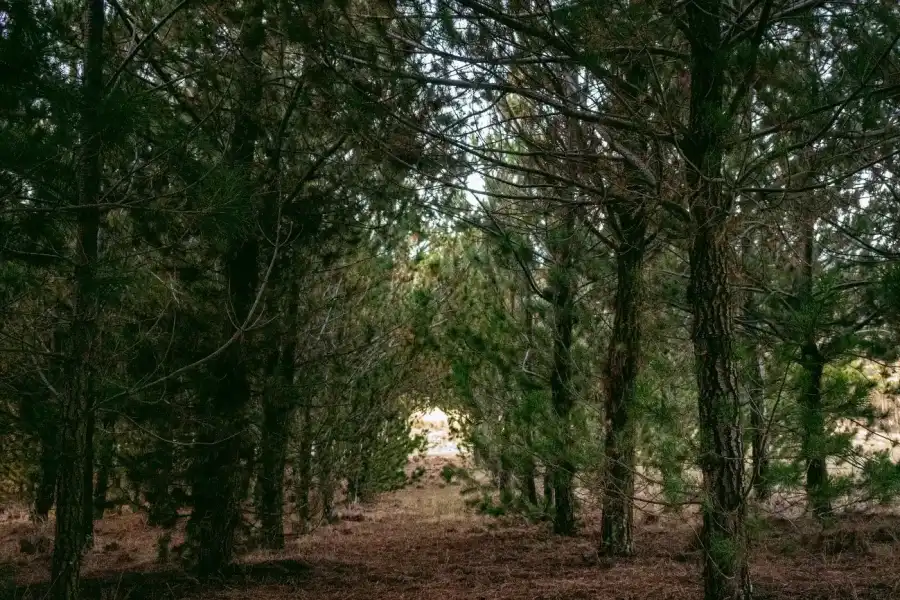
(725, 565)
(217, 477)
(621, 377)
(72, 493)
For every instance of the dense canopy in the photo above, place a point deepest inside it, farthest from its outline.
(638, 249)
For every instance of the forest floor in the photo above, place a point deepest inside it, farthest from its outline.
(424, 543)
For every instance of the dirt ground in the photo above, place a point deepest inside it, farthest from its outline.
(422, 542)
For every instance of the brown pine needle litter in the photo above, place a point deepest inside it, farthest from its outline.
(424, 543)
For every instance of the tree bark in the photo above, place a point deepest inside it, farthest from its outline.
(726, 573)
(621, 381)
(72, 494)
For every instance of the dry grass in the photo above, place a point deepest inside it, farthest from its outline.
(423, 543)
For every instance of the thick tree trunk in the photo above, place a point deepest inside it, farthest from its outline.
(814, 434)
(621, 381)
(72, 495)
(726, 573)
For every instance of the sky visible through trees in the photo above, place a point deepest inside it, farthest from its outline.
(643, 253)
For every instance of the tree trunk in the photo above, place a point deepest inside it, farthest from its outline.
(45, 494)
(814, 434)
(88, 472)
(813, 363)
(529, 469)
(304, 468)
(325, 455)
(72, 496)
(216, 487)
(273, 458)
(621, 381)
(759, 422)
(547, 484)
(726, 573)
(105, 458)
(563, 308)
(754, 367)
(163, 510)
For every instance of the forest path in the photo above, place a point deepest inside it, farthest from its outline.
(423, 543)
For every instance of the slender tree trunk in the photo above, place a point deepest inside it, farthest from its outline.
(45, 494)
(813, 363)
(217, 483)
(273, 458)
(163, 511)
(755, 369)
(563, 308)
(726, 573)
(326, 481)
(759, 421)
(504, 464)
(304, 467)
(105, 458)
(547, 484)
(814, 434)
(529, 469)
(73, 507)
(88, 472)
(621, 381)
